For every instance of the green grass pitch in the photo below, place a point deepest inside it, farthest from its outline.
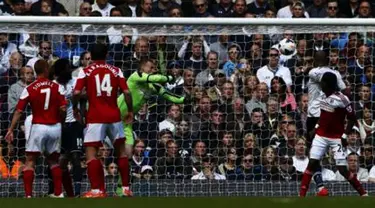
(200, 202)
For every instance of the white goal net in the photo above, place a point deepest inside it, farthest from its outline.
(243, 123)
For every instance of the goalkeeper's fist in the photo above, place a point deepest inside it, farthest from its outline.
(171, 79)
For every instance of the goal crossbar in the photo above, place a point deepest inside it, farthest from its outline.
(189, 26)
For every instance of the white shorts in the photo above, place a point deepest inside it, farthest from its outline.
(28, 123)
(320, 146)
(44, 138)
(96, 133)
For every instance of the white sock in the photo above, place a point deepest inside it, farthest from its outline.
(125, 188)
(320, 188)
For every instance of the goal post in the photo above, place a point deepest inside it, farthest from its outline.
(187, 128)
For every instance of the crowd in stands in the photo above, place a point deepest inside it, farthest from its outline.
(247, 115)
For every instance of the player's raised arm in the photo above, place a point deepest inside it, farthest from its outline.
(146, 74)
(168, 95)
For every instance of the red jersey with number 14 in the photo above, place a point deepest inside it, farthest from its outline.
(102, 81)
(334, 110)
(45, 98)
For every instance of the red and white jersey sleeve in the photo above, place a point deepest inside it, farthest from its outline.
(122, 82)
(46, 98)
(102, 82)
(334, 110)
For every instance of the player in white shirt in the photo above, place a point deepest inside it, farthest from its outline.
(72, 131)
(314, 94)
(208, 171)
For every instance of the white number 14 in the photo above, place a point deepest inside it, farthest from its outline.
(104, 85)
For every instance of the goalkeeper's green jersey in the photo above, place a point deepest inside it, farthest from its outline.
(144, 86)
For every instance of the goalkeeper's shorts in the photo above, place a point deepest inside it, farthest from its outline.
(128, 130)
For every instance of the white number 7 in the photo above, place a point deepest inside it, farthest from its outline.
(48, 96)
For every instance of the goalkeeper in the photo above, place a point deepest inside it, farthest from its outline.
(143, 85)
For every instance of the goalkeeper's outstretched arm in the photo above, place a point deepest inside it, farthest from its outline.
(168, 95)
(153, 78)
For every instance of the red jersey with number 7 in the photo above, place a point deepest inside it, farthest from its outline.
(102, 82)
(46, 98)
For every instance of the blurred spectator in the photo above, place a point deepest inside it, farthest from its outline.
(201, 116)
(364, 10)
(85, 9)
(251, 83)
(249, 170)
(84, 61)
(172, 166)
(269, 162)
(6, 49)
(198, 153)
(10, 76)
(300, 159)
(160, 7)
(250, 146)
(69, 49)
(184, 137)
(228, 166)
(364, 98)
(286, 171)
(354, 142)
(130, 62)
(366, 123)
(258, 99)
(267, 72)
(371, 176)
(166, 53)
(29, 46)
(138, 159)
(10, 167)
(286, 144)
(15, 90)
(174, 68)
(255, 58)
(147, 172)
(273, 112)
(112, 170)
(146, 8)
(194, 52)
(208, 170)
(145, 124)
(225, 145)
(44, 7)
(130, 8)
(353, 167)
(318, 9)
(45, 52)
(350, 9)
(333, 10)
(239, 8)
(210, 134)
(241, 117)
(157, 145)
(258, 7)
(214, 92)
(103, 6)
(208, 74)
(287, 11)
(302, 111)
(223, 8)
(200, 8)
(259, 127)
(173, 117)
(286, 99)
(229, 67)
(221, 48)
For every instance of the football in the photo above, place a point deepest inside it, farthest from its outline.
(287, 47)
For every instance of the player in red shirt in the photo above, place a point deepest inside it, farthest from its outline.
(331, 133)
(48, 107)
(102, 82)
